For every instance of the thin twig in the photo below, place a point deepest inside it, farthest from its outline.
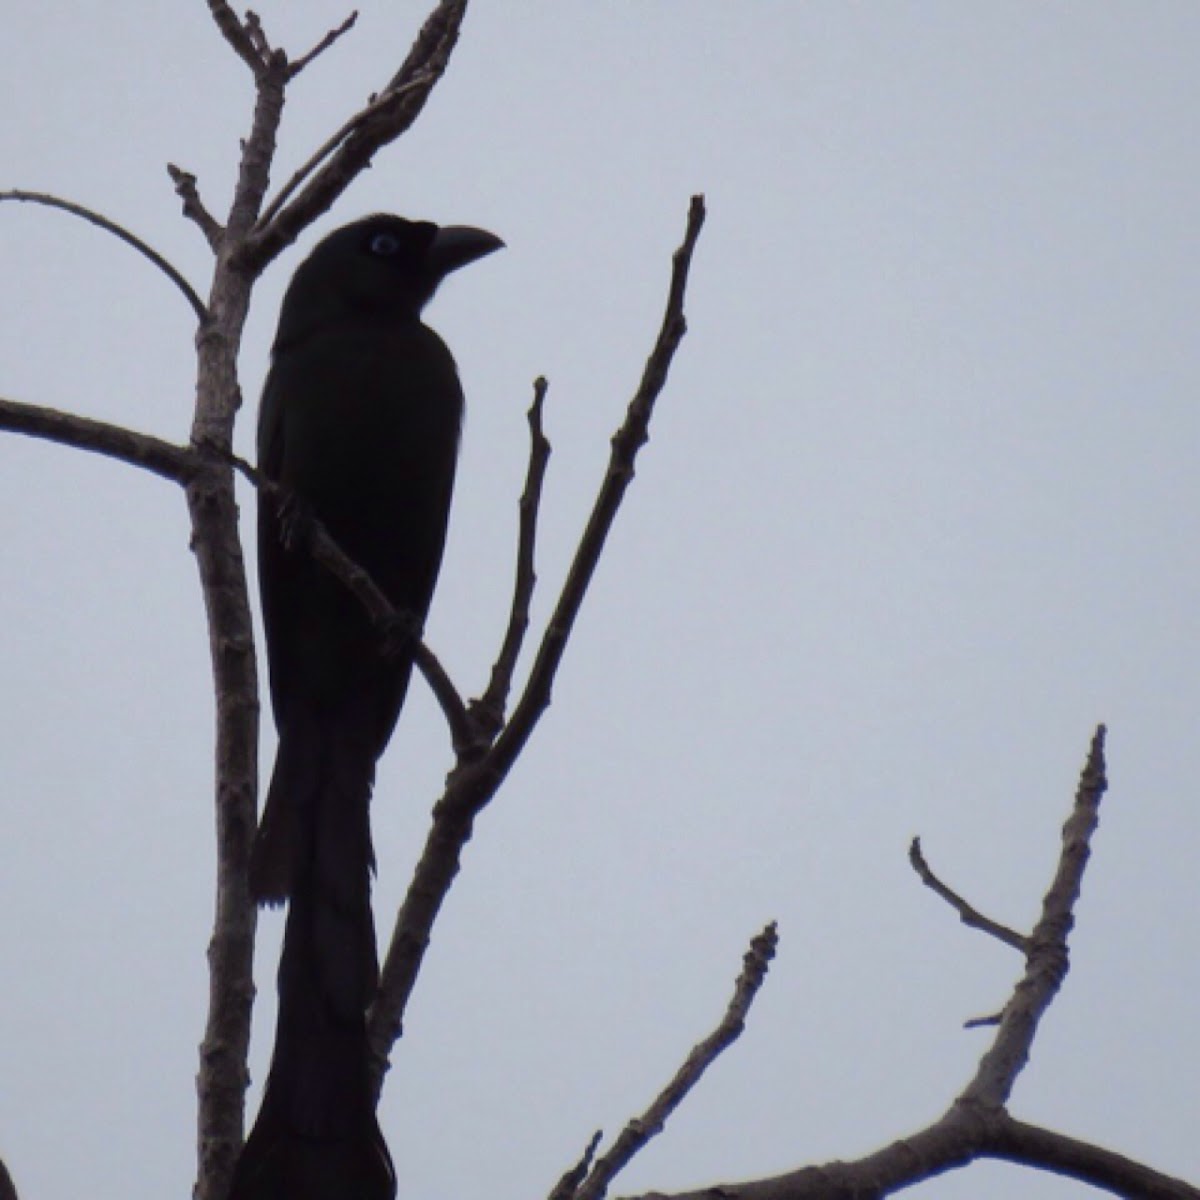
(634, 1137)
(332, 36)
(177, 463)
(382, 122)
(977, 1125)
(258, 36)
(984, 1022)
(568, 1185)
(434, 44)
(130, 239)
(627, 441)
(1047, 961)
(375, 106)
(477, 775)
(966, 914)
(193, 206)
(234, 32)
(489, 709)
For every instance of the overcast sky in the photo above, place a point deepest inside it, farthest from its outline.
(918, 511)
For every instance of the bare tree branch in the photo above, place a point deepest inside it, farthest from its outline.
(193, 206)
(1033, 1146)
(258, 153)
(627, 441)
(1047, 962)
(235, 33)
(332, 36)
(955, 1141)
(568, 1185)
(177, 463)
(977, 1124)
(479, 772)
(968, 915)
(639, 1131)
(258, 36)
(119, 231)
(205, 469)
(984, 1022)
(382, 121)
(489, 709)
(377, 105)
(212, 506)
(433, 44)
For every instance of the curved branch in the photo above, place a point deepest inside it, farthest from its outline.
(949, 1144)
(1032, 1146)
(177, 463)
(130, 239)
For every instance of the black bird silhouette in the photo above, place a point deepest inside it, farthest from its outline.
(359, 424)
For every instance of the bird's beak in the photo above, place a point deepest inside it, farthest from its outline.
(455, 246)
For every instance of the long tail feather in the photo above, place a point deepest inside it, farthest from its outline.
(316, 1136)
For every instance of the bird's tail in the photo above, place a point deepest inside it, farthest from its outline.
(318, 804)
(288, 815)
(316, 1136)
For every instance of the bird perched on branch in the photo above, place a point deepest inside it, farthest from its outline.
(359, 427)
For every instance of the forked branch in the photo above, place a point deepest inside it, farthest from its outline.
(977, 1124)
(488, 710)
(478, 774)
(315, 187)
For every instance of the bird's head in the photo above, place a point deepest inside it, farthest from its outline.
(382, 267)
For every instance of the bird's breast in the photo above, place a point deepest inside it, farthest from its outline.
(367, 419)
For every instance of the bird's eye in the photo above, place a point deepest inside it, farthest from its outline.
(384, 244)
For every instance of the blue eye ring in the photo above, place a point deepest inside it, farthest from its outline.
(384, 244)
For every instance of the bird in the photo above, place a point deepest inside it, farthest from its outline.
(359, 429)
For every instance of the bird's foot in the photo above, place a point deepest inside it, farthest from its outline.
(400, 632)
(296, 521)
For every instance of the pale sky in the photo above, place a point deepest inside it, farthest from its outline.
(918, 511)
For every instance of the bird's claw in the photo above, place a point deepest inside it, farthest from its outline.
(296, 522)
(400, 632)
